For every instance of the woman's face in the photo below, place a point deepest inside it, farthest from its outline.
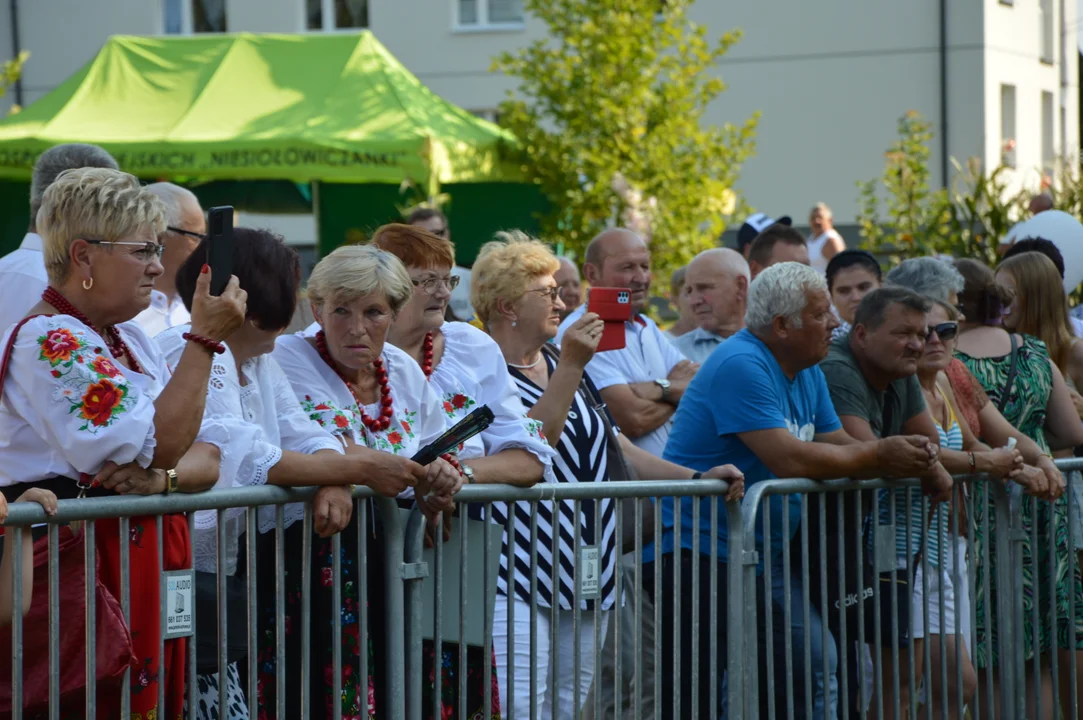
(938, 350)
(1013, 315)
(426, 308)
(356, 330)
(123, 274)
(538, 311)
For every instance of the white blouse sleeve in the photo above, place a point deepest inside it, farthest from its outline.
(511, 428)
(298, 431)
(312, 393)
(73, 394)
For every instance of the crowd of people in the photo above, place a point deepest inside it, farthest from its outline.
(792, 357)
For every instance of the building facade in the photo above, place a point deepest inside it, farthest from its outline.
(998, 78)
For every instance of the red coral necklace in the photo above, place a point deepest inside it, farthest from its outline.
(112, 336)
(426, 356)
(374, 425)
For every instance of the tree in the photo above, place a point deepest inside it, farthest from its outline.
(609, 113)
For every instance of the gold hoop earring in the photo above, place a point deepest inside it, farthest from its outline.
(87, 284)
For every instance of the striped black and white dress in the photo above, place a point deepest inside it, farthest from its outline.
(581, 457)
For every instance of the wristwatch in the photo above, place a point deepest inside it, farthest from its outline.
(171, 484)
(664, 384)
(467, 471)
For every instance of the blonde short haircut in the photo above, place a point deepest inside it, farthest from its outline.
(505, 267)
(354, 271)
(93, 204)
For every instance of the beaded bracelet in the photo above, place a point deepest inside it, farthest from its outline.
(215, 347)
(453, 462)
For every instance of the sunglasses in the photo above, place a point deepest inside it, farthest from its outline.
(944, 331)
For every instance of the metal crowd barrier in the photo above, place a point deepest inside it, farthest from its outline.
(625, 649)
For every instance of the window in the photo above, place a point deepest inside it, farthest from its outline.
(1045, 10)
(337, 14)
(489, 13)
(1049, 158)
(1007, 125)
(183, 17)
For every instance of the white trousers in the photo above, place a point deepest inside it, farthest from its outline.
(561, 688)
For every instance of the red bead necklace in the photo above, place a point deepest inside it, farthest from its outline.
(112, 337)
(374, 425)
(426, 355)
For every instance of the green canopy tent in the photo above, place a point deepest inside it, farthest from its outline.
(335, 110)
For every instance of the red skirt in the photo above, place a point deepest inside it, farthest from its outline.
(145, 604)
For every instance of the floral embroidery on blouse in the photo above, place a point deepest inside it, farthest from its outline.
(533, 428)
(392, 440)
(455, 403)
(97, 392)
(327, 414)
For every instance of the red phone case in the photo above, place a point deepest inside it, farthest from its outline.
(614, 307)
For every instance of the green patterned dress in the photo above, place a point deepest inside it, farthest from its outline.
(1026, 410)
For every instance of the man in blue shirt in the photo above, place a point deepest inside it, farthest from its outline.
(761, 403)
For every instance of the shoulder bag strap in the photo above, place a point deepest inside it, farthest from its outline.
(1013, 366)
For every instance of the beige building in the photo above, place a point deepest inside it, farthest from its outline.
(831, 77)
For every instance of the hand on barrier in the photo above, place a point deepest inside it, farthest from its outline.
(1003, 461)
(131, 479)
(1039, 482)
(581, 340)
(444, 520)
(387, 474)
(42, 497)
(443, 478)
(733, 476)
(906, 455)
(1052, 473)
(217, 317)
(332, 508)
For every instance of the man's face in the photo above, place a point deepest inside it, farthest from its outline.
(785, 252)
(178, 246)
(715, 297)
(812, 340)
(851, 284)
(897, 345)
(435, 225)
(627, 264)
(567, 277)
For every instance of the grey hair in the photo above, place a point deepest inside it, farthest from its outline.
(781, 290)
(56, 160)
(927, 276)
(173, 197)
(353, 271)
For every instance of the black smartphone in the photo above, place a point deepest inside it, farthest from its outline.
(220, 247)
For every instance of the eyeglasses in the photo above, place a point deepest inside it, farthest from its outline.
(148, 252)
(431, 284)
(442, 232)
(550, 292)
(189, 233)
(944, 331)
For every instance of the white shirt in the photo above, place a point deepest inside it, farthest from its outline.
(816, 249)
(22, 280)
(416, 419)
(472, 372)
(648, 355)
(163, 314)
(460, 296)
(68, 406)
(251, 424)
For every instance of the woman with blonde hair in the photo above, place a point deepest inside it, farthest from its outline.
(516, 296)
(90, 406)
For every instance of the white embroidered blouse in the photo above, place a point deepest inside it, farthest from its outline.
(252, 424)
(68, 406)
(417, 418)
(472, 372)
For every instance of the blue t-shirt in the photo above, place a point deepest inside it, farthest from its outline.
(741, 388)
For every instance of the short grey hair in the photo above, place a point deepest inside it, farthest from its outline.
(781, 290)
(173, 197)
(354, 271)
(56, 160)
(927, 276)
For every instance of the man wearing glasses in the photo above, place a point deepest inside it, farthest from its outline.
(186, 226)
(459, 307)
(22, 272)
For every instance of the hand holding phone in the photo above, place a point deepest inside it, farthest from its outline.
(614, 307)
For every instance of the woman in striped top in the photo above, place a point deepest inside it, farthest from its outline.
(516, 297)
